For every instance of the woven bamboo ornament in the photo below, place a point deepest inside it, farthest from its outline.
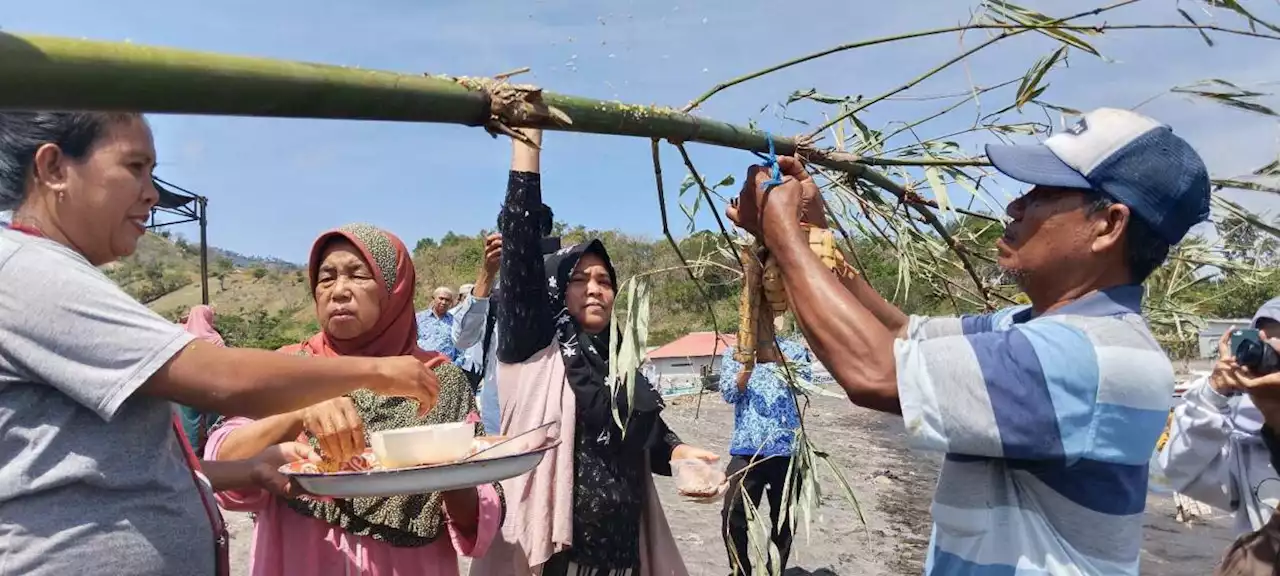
(764, 296)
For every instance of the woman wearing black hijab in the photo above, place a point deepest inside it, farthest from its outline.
(567, 300)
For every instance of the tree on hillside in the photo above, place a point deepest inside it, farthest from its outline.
(424, 244)
(1236, 290)
(451, 239)
(222, 267)
(263, 330)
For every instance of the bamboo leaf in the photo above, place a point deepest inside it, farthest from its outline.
(1235, 6)
(758, 540)
(904, 265)
(787, 514)
(811, 497)
(1030, 87)
(1011, 13)
(1027, 128)
(627, 352)
(1193, 22)
(1062, 109)
(839, 130)
(689, 212)
(967, 182)
(1033, 95)
(1240, 212)
(687, 184)
(1245, 185)
(1271, 169)
(813, 94)
(934, 175)
(845, 486)
(867, 143)
(1227, 94)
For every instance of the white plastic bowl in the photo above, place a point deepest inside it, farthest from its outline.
(419, 445)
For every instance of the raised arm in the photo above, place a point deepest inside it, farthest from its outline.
(468, 327)
(468, 322)
(1198, 458)
(525, 323)
(848, 336)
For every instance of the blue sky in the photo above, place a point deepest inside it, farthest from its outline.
(273, 184)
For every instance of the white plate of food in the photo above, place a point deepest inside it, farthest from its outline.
(482, 460)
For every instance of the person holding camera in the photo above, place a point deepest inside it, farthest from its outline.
(1216, 452)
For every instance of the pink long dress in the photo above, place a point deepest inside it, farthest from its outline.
(286, 543)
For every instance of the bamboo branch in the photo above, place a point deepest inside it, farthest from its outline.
(963, 28)
(706, 195)
(42, 72)
(814, 56)
(863, 105)
(972, 94)
(932, 220)
(848, 240)
(1010, 31)
(51, 73)
(675, 246)
(878, 161)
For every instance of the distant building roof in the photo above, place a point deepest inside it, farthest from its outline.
(694, 345)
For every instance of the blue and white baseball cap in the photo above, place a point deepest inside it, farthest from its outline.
(1131, 158)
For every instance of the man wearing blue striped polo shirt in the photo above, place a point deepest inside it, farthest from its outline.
(1047, 413)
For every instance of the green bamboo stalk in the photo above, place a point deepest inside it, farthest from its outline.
(43, 72)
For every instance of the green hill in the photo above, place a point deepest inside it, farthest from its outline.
(265, 303)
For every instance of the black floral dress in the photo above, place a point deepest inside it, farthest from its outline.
(609, 465)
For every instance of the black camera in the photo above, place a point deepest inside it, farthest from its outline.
(1253, 353)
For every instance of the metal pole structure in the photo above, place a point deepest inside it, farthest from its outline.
(203, 203)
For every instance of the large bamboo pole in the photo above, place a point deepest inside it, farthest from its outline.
(47, 72)
(43, 72)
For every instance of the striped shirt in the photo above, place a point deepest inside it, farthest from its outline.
(1047, 424)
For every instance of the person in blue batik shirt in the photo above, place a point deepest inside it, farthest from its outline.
(765, 419)
(435, 325)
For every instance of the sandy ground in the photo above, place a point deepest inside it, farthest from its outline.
(894, 487)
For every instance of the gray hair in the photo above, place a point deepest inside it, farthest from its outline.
(23, 132)
(444, 289)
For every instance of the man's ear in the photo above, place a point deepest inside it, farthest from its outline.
(1108, 226)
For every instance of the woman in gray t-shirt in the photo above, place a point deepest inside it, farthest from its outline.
(92, 471)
